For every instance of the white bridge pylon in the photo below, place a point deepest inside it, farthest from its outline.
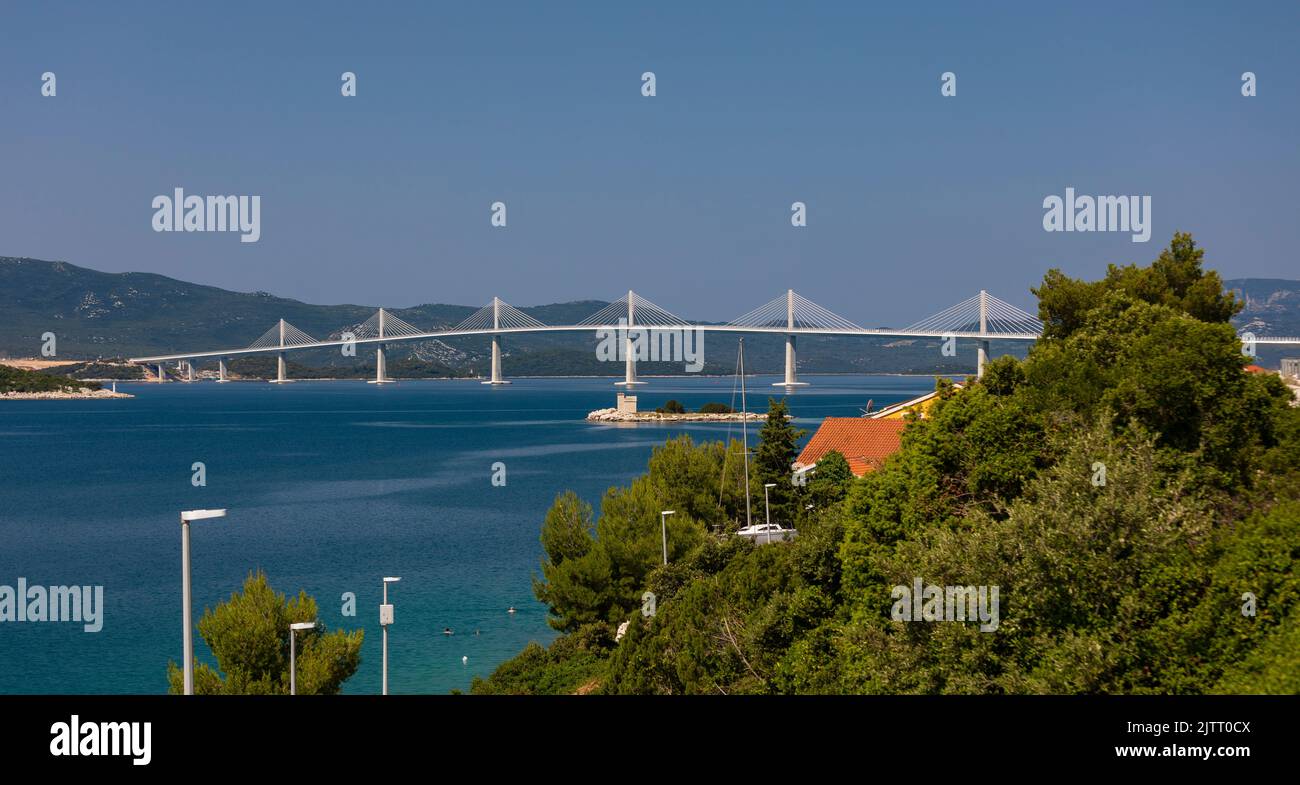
(379, 326)
(984, 315)
(497, 315)
(632, 312)
(282, 336)
(793, 312)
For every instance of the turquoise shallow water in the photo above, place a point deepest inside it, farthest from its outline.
(330, 486)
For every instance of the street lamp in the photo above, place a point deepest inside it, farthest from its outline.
(186, 517)
(767, 510)
(663, 522)
(385, 619)
(293, 681)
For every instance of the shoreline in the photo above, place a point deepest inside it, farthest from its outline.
(614, 415)
(63, 395)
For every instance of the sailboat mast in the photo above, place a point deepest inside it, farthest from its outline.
(744, 431)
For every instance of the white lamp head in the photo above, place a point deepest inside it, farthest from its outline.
(667, 512)
(303, 625)
(198, 515)
(391, 580)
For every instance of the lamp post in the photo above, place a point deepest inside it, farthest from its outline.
(186, 517)
(663, 522)
(385, 619)
(767, 510)
(293, 665)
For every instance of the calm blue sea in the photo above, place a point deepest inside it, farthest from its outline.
(330, 486)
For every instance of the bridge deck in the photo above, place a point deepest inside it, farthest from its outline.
(612, 328)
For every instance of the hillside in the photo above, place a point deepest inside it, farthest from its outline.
(17, 380)
(1272, 307)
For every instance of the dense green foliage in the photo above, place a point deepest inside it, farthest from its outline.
(1133, 494)
(1175, 280)
(249, 634)
(117, 369)
(23, 381)
(266, 367)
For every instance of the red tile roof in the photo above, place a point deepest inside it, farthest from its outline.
(1257, 369)
(864, 442)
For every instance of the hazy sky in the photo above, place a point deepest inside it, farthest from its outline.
(915, 201)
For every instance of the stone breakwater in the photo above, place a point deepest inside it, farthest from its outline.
(614, 415)
(63, 395)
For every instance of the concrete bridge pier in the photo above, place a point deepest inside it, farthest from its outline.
(221, 370)
(496, 363)
(629, 348)
(280, 376)
(381, 366)
(790, 379)
(629, 375)
(162, 373)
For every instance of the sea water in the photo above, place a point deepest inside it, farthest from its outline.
(330, 486)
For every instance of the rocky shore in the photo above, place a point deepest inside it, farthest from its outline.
(614, 415)
(63, 395)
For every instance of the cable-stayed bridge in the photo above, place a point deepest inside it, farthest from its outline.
(635, 320)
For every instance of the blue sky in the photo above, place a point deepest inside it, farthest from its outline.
(915, 201)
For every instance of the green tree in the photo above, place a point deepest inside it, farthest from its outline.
(596, 572)
(1175, 280)
(830, 481)
(1175, 375)
(249, 634)
(778, 446)
(576, 576)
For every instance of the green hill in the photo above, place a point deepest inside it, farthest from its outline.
(22, 381)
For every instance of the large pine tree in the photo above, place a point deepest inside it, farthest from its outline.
(778, 446)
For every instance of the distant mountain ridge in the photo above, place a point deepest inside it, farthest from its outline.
(97, 314)
(1272, 305)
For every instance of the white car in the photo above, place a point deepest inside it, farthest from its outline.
(764, 533)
